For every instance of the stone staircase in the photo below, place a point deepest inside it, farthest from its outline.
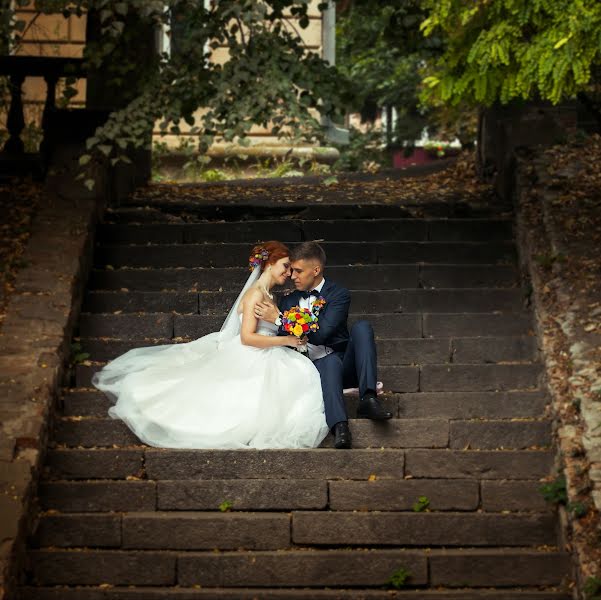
(442, 501)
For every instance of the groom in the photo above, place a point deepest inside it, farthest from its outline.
(342, 360)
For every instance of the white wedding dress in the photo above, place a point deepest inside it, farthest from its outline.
(215, 392)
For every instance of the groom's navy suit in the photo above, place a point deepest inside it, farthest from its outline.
(352, 362)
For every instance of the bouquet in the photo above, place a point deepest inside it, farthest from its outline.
(299, 322)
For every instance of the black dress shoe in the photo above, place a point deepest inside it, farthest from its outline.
(343, 435)
(370, 408)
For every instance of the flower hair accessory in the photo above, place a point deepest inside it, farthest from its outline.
(258, 258)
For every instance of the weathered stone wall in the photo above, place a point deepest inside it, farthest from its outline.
(502, 129)
(34, 346)
(569, 353)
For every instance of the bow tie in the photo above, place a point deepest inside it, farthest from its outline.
(306, 295)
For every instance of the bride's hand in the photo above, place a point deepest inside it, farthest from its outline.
(295, 342)
(266, 311)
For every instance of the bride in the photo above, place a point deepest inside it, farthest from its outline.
(241, 387)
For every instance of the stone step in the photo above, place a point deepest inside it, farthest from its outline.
(317, 528)
(397, 433)
(111, 463)
(475, 300)
(338, 253)
(420, 405)
(402, 351)
(494, 349)
(259, 204)
(232, 278)
(331, 568)
(145, 302)
(457, 464)
(442, 495)
(248, 232)
(92, 403)
(405, 378)
(385, 463)
(362, 230)
(475, 324)
(489, 435)
(472, 377)
(386, 326)
(359, 464)
(98, 496)
(472, 405)
(151, 326)
(287, 495)
(182, 530)
(450, 377)
(182, 593)
(166, 531)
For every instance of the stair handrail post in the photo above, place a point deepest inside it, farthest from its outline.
(15, 122)
(51, 80)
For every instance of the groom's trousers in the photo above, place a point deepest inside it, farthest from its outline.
(355, 367)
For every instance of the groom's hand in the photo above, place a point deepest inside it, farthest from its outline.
(266, 311)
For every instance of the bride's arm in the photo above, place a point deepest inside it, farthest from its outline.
(248, 330)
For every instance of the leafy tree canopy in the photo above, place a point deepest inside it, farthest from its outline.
(380, 50)
(375, 43)
(507, 49)
(270, 77)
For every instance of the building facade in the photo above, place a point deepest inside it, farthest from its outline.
(53, 35)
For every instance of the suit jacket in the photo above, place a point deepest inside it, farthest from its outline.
(333, 328)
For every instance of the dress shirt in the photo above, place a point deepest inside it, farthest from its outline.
(315, 352)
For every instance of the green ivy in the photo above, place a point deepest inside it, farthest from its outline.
(271, 78)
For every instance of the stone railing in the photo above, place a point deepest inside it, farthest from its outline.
(34, 348)
(17, 69)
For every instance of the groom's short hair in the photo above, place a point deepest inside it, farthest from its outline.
(309, 251)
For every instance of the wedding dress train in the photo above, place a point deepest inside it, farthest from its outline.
(216, 393)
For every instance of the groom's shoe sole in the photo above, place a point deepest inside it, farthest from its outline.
(383, 417)
(373, 411)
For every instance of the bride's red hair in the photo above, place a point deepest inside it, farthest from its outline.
(275, 250)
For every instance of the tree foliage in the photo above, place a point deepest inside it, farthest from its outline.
(507, 49)
(380, 51)
(269, 78)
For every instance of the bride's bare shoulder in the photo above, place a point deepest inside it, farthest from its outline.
(251, 296)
